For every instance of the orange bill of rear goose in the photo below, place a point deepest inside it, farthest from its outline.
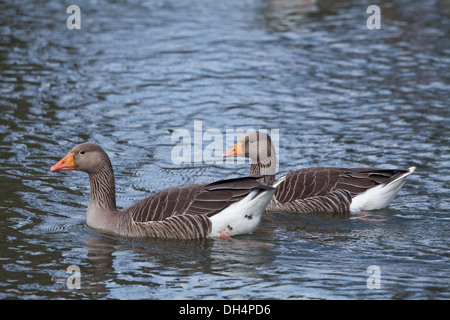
(319, 189)
(230, 207)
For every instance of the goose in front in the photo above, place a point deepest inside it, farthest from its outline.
(230, 207)
(319, 189)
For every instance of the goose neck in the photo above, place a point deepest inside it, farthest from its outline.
(103, 189)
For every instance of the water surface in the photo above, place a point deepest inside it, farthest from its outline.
(339, 94)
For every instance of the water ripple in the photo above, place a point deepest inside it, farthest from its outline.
(340, 94)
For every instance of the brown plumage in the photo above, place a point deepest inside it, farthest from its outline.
(320, 189)
(183, 212)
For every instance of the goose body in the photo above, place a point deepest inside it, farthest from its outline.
(232, 206)
(320, 189)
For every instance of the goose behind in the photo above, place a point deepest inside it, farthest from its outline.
(232, 206)
(320, 189)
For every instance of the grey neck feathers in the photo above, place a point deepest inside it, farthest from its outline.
(103, 190)
(264, 159)
(268, 169)
(264, 163)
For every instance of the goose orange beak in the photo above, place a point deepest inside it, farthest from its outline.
(236, 151)
(64, 164)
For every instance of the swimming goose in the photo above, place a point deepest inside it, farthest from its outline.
(319, 189)
(231, 206)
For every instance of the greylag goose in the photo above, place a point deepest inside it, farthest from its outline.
(232, 206)
(319, 189)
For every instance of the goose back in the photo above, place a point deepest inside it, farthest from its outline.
(183, 212)
(328, 189)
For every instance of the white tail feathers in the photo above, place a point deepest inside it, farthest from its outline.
(380, 196)
(243, 216)
(278, 181)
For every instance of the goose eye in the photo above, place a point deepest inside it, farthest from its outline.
(82, 152)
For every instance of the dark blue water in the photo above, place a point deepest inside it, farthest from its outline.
(338, 93)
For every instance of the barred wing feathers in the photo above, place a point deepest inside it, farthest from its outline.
(328, 189)
(184, 211)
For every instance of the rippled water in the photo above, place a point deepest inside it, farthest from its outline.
(339, 94)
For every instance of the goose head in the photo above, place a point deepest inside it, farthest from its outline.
(255, 145)
(87, 157)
